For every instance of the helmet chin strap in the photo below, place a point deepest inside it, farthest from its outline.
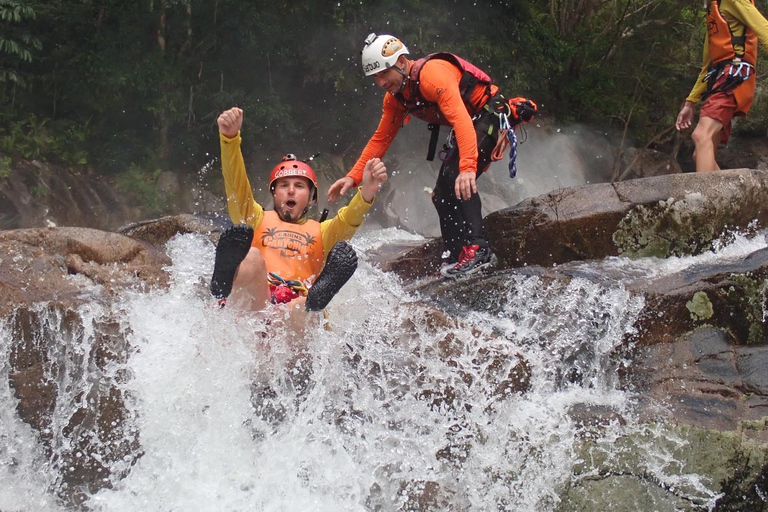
(405, 77)
(309, 205)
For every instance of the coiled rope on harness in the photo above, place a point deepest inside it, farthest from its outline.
(520, 110)
(511, 113)
(294, 284)
(507, 137)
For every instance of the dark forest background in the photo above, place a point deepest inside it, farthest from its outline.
(131, 88)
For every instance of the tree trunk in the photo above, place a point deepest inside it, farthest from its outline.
(163, 110)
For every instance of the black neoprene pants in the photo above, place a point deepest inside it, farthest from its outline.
(461, 221)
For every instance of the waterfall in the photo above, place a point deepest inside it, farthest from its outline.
(388, 404)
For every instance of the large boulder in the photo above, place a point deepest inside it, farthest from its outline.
(158, 231)
(48, 264)
(660, 216)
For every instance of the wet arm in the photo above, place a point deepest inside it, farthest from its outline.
(241, 205)
(344, 225)
(392, 116)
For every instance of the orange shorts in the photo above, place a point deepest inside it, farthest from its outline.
(720, 106)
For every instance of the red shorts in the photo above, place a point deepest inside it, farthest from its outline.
(720, 106)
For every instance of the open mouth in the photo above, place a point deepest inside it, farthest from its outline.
(290, 203)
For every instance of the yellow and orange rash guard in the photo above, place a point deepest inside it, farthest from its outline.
(739, 14)
(243, 208)
(439, 84)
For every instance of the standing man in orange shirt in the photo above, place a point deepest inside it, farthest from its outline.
(726, 81)
(442, 89)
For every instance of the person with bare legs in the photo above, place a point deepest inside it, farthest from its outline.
(726, 82)
(280, 256)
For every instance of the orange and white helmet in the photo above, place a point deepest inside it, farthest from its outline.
(290, 167)
(381, 52)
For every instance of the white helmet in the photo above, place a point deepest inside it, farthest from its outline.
(381, 52)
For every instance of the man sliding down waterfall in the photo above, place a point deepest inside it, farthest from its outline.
(280, 256)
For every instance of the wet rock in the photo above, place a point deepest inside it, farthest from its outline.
(731, 297)
(57, 286)
(410, 261)
(423, 495)
(49, 264)
(633, 472)
(69, 394)
(660, 216)
(707, 381)
(620, 493)
(158, 231)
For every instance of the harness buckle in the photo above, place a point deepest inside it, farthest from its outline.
(435, 129)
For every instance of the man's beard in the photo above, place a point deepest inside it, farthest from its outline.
(285, 216)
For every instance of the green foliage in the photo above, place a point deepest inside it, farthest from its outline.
(5, 166)
(294, 67)
(58, 141)
(67, 145)
(16, 42)
(623, 63)
(27, 138)
(139, 186)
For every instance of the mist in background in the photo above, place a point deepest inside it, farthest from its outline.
(549, 158)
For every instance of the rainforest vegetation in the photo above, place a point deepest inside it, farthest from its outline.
(133, 87)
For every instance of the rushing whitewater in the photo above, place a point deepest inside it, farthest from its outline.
(377, 407)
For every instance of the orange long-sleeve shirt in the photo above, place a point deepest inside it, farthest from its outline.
(439, 84)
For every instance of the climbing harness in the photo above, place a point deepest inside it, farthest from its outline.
(737, 73)
(511, 113)
(731, 68)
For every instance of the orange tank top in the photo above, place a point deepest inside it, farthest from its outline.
(292, 251)
(722, 42)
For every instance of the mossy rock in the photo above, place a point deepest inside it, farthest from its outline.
(669, 468)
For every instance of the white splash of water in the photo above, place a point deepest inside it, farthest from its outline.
(650, 268)
(395, 406)
(24, 469)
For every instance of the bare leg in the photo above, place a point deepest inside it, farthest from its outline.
(706, 138)
(295, 320)
(250, 289)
